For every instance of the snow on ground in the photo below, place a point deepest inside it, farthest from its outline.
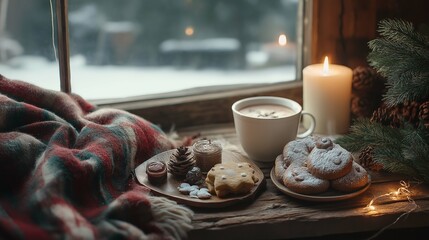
(107, 82)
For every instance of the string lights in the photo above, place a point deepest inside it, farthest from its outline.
(402, 192)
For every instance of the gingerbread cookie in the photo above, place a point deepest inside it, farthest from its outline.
(354, 180)
(299, 179)
(328, 160)
(231, 178)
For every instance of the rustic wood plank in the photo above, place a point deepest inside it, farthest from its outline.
(276, 215)
(338, 31)
(342, 29)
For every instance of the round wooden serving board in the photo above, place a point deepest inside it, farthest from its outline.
(169, 189)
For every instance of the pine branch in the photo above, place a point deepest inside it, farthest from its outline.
(399, 31)
(402, 56)
(392, 160)
(404, 151)
(364, 133)
(416, 147)
(412, 90)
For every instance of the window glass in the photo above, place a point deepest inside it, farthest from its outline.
(144, 47)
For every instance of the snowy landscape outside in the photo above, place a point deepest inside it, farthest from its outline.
(128, 51)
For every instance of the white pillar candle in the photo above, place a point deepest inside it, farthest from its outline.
(326, 95)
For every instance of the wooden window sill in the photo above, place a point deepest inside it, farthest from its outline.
(202, 109)
(274, 215)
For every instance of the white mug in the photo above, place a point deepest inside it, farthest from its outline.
(263, 128)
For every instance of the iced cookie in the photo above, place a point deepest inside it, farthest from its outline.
(356, 179)
(231, 178)
(194, 191)
(300, 180)
(328, 160)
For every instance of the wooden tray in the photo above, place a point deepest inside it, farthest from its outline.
(169, 189)
(328, 196)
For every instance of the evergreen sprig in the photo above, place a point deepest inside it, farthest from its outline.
(399, 150)
(402, 56)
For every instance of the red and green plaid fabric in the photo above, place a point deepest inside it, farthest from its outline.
(65, 167)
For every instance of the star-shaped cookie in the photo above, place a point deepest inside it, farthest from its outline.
(231, 178)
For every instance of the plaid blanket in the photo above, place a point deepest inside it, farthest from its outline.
(66, 170)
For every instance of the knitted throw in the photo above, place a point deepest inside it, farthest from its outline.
(66, 170)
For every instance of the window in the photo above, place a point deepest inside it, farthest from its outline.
(152, 49)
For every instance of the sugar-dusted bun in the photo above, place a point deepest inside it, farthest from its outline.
(356, 179)
(298, 150)
(315, 164)
(331, 161)
(298, 179)
(279, 167)
(324, 143)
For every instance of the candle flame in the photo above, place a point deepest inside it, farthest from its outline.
(189, 31)
(326, 65)
(282, 40)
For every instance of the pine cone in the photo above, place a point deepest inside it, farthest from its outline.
(424, 114)
(366, 79)
(410, 111)
(363, 78)
(363, 106)
(395, 116)
(181, 161)
(367, 161)
(387, 116)
(368, 88)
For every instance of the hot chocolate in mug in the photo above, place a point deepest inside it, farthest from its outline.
(265, 124)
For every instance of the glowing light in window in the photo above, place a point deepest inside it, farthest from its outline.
(282, 40)
(189, 31)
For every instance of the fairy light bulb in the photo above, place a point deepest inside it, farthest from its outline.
(403, 190)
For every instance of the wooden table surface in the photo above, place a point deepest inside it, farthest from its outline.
(274, 215)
